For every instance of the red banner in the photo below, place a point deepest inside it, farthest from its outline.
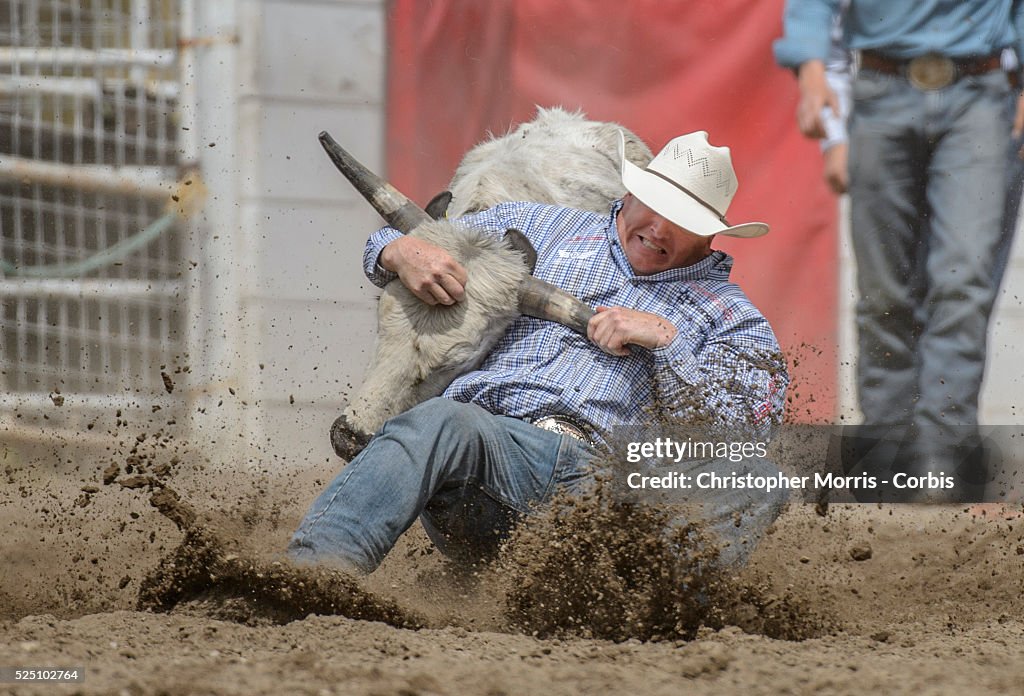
(461, 69)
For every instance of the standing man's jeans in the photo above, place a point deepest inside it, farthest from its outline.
(469, 476)
(927, 187)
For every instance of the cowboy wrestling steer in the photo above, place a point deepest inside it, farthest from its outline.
(560, 158)
(672, 342)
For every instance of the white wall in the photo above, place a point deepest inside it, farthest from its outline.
(1001, 402)
(308, 311)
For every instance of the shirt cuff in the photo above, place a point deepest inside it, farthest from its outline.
(678, 359)
(377, 274)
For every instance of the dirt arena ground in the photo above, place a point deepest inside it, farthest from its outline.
(906, 599)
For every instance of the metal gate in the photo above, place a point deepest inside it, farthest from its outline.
(92, 301)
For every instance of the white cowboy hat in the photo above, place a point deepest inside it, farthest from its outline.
(690, 183)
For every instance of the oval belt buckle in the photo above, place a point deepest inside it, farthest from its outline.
(931, 71)
(562, 426)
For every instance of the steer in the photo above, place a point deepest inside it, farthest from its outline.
(560, 158)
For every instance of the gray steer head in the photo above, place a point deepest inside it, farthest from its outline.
(537, 298)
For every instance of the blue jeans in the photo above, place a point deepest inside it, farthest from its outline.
(470, 476)
(927, 191)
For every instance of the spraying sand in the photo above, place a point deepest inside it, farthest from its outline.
(161, 577)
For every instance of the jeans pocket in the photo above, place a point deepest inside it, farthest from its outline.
(573, 466)
(870, 85)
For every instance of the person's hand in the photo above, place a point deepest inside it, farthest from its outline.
(835, 168)
(815, 94)
(611, 328)
(430, 272)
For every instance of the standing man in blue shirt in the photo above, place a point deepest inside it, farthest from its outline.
(670, 333)
(929, 132)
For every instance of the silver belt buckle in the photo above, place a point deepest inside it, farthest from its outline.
(931, 71)
(563, 426)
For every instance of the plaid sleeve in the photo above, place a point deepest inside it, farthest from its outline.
(735, 383)
(492, 221)
(377, 274)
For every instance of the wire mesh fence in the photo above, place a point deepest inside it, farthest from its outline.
(88, 151)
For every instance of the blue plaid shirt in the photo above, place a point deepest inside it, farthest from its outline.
(724, 369)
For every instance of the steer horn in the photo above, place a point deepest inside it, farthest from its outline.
(399, 211)
(537, 298)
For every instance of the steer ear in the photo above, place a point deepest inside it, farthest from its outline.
(437, 208)
(518, 241)
(393, 206)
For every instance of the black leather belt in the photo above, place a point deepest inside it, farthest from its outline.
(931, 71)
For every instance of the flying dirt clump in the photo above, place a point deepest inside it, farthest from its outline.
(604, 567)
(202, 574)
